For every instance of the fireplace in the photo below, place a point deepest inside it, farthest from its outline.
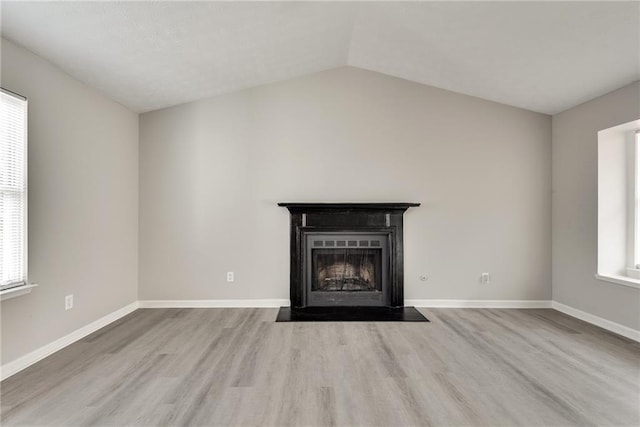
(346, 269)
(347, 254)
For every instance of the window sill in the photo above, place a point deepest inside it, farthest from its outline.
(620, 280)
(16, 292)
(633, 273)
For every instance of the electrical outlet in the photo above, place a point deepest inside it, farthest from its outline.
(68, 302)
(485, 278)
(424, 278)
(229, 276)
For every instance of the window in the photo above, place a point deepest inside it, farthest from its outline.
(636, 171)
(13, 190)
(619, 204)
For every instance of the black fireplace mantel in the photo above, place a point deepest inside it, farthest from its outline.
(384, 219)
(304, 206)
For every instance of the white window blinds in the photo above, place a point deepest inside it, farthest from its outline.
(13, 190)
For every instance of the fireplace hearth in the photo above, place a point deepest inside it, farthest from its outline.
(347, 254)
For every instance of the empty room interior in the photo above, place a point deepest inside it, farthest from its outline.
(320, 213)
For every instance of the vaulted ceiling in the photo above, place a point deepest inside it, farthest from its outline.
(542, 56)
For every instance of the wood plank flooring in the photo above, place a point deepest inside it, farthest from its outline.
(238, 367)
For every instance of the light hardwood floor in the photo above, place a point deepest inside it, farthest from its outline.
(239, 367)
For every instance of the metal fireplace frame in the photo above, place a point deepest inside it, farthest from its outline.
(346, 298)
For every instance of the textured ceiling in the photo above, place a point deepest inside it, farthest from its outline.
(542, 56)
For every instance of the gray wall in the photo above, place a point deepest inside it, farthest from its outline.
(83, 205)
(212, 171)
(575, 208)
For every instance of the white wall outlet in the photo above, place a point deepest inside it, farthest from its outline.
(424, 278)
(485, 278)
(229, 276)
(68, 302)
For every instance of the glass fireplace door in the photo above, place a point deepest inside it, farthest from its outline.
(346, 269)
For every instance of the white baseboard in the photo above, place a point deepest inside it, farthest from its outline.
(29, 359)
(215, 303)
(249, 303)
(617, 328)
(464, 303)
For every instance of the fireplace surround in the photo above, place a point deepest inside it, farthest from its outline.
(346, 254)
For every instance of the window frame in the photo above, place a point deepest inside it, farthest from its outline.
(25, 231)
(636, 200)
(618, 207)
